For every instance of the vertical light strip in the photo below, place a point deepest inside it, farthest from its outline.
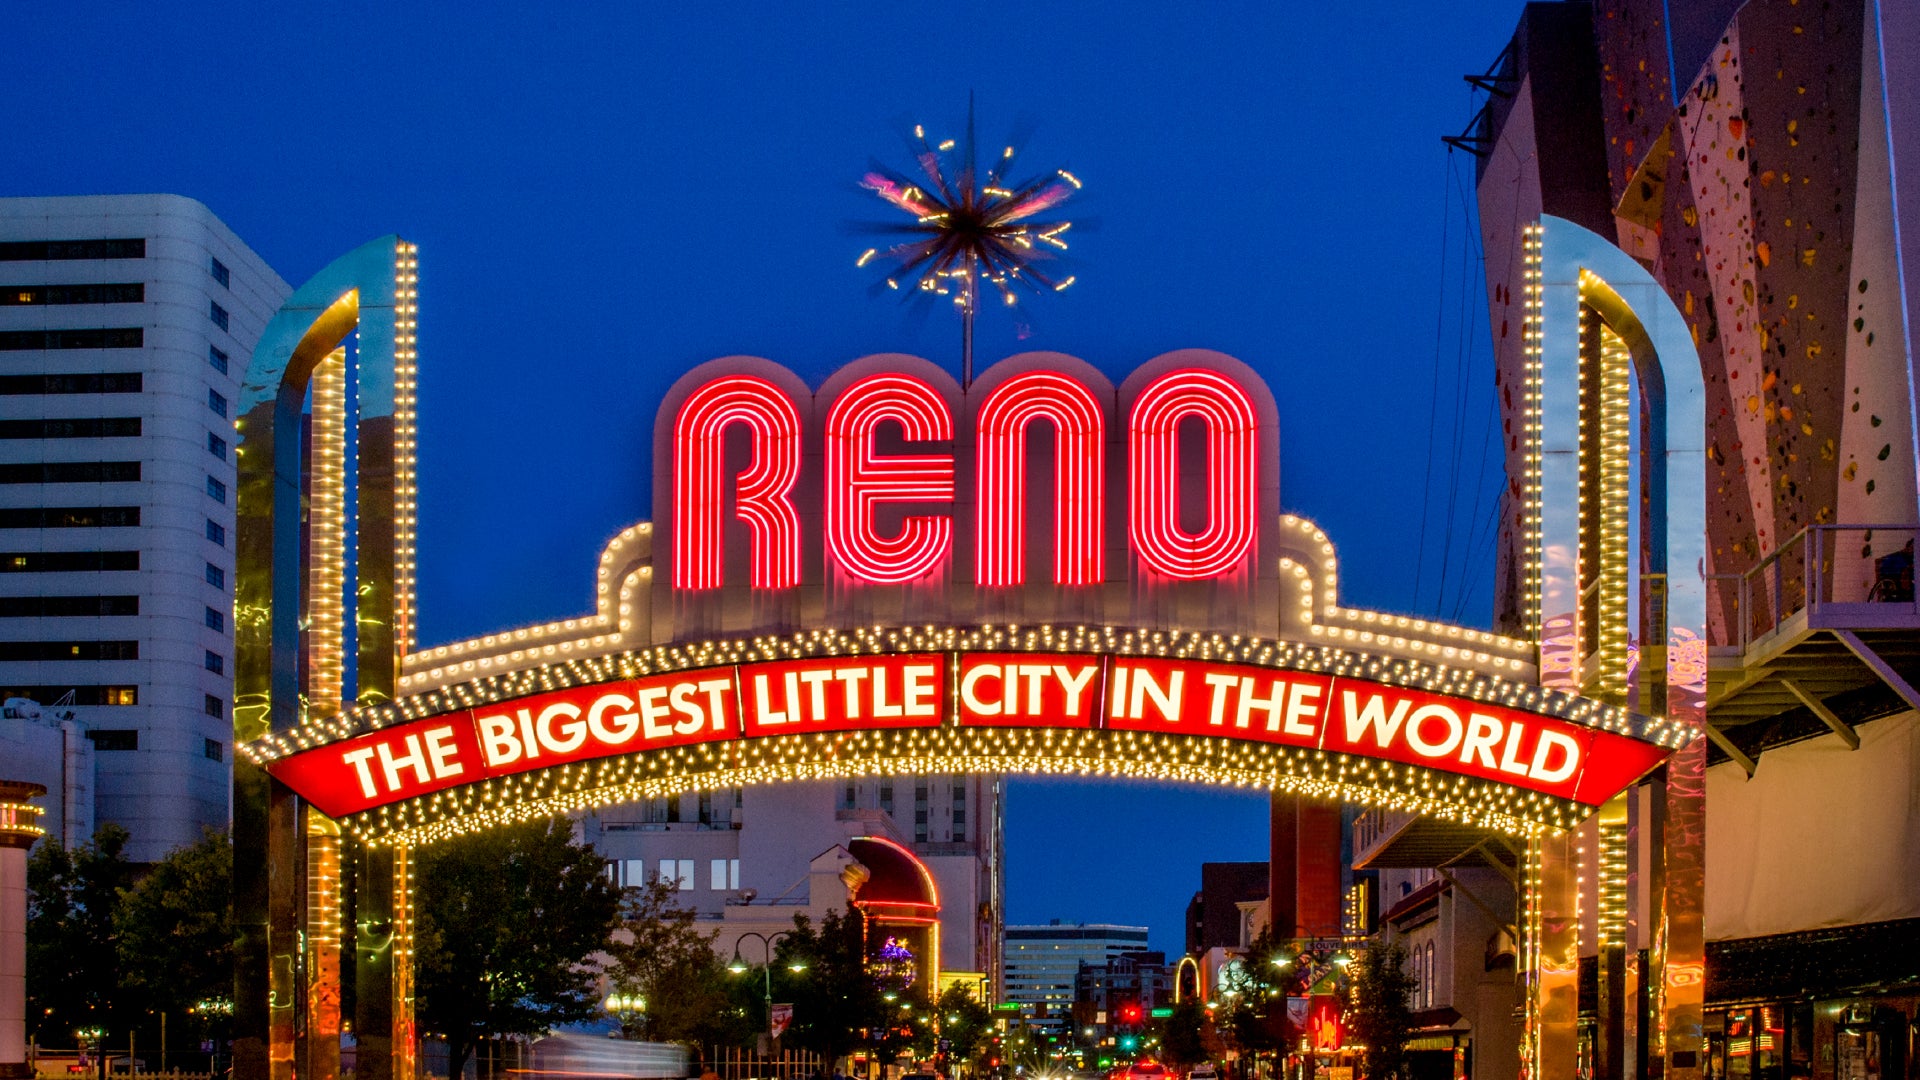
(1609, 682)
(405, 1037)
(1613, 882)
(406, 314)
(323, 931)
(1532, 333)
(326, 541)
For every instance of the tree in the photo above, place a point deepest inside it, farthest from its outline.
(175, 927)
(666, 962)
(1255, 991)
(965, 1022)
(73, 956)
(835, 1003)
(1183, 1036)
(510, 920)
(1378, 1016)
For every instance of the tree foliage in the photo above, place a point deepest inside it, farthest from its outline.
(1378, 1016)
(1255, 992)
(73, 947)
(1183, 1035)
(662, 958)
(175, 928)
(965, 1022)
(835, 1003)
(510, 921)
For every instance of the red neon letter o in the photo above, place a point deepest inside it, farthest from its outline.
(1153, 519)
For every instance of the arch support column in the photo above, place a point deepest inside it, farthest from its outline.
(308, 480)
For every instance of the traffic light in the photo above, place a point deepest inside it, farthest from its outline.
(1130, 1013)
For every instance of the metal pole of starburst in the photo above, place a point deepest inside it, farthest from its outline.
(966, 322)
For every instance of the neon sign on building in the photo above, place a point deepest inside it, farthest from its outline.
(1042, 478)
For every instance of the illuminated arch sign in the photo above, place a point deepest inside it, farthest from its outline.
(829, 704)
(1045, 574)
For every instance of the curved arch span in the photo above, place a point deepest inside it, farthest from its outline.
(1093, 701)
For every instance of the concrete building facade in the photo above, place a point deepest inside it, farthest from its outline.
(126, 323)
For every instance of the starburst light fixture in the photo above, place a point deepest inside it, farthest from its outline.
(970, 225)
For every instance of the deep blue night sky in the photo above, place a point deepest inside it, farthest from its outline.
(606, 195)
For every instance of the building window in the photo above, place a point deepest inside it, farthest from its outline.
(216, 446)
(28, 607)
(71, 472)
(65, 562)
(218, 314)
(886, 796)
(35, 295)
(220, 274)
(849, 796)
(70, 517)
(80, 695)
(214, 749)
(108, 740)
(663, 811)
(216, 490)
(218, 358)
(678, 873)
(959, 811)
(215, 707)
(67, 250)
(114, 337)
(216, 532)
(69, 650)
(105, 382)
(216, 663)
(216, 620)
(216, 577)
(920, 813)
(79, 427)
(717, 874)
(217, 402)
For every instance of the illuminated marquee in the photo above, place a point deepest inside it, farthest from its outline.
(1304, 709)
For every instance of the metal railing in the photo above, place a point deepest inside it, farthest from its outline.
(1850, 576)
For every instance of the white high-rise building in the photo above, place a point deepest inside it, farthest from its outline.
(126, 322)
(1042, 962)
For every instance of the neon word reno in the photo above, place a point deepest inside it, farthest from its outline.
(1122, 695)
(890, 474)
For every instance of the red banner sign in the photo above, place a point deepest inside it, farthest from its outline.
(1306, 710)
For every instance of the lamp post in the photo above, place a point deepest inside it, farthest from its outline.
(739, 966)
(624, 1006)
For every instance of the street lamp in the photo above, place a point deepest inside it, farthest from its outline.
(624, 1006)
(767, 942)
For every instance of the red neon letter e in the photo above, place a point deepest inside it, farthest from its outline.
(858, 480)
(1154, 518)
(763, 494)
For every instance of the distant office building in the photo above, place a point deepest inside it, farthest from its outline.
(1042, 963)
(757, 846)
(1214, 918)
(126, 323)
(1119, 995)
